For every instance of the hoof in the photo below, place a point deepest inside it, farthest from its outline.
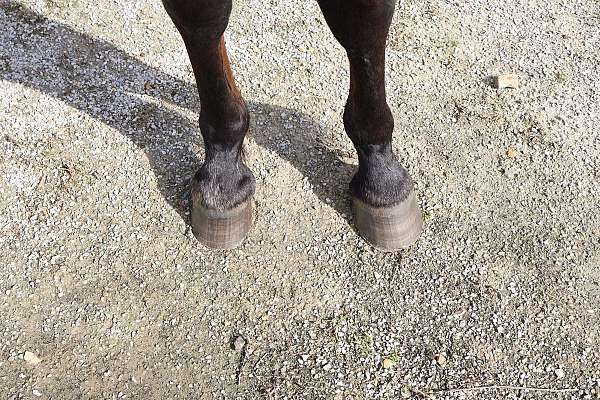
(389, 228)
(221, 229)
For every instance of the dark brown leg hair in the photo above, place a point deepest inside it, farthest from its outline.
(361, 27)
(385, 208)
(223, 182)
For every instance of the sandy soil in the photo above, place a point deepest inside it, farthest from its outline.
(104, 292)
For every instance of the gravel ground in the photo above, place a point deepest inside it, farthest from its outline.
(104, 292)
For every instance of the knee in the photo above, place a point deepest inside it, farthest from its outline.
(205, 19)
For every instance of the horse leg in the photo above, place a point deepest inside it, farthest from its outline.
(222, 188)
(384, 204)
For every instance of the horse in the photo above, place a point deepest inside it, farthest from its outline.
(384, 204)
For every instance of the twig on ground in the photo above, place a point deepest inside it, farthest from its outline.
(259, 360)
(238, 375)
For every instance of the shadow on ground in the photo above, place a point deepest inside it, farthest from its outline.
(106, 83)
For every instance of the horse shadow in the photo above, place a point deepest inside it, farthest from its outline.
(97, 78)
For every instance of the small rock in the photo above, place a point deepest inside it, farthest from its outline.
(55, 260)
(36, 393)
(441, 360)
(559, 373)
(239, 343)
(511, 153)
(405, 392)
(388, 363)
(507, 81)
(31, 358)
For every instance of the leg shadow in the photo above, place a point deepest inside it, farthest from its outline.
(119, 90)
(298, 139)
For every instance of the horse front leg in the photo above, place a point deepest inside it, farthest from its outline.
(384, 203)
(222, 188)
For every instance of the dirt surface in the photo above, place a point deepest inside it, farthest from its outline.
(105, 293)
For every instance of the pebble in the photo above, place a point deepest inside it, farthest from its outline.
(239, 343)
(31, 358)
(507, 81)
(441, 360)
(511, 153)
(405, 392)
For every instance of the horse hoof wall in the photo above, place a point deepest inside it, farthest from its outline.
(389, 228)
(221, 229)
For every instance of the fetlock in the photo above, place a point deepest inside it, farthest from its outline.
(381, 181)
(223, 181)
